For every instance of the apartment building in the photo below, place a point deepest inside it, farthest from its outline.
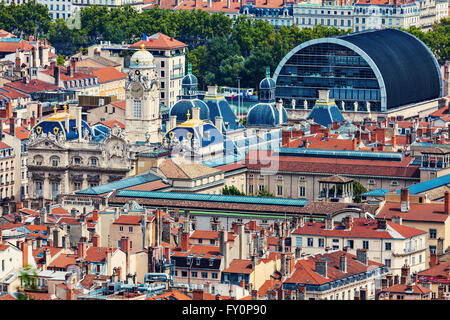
(388, 243)
(309, 14)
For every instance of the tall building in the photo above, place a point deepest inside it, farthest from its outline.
(142, 113)
(65, 155)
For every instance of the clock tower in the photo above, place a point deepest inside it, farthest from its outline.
(142, 114)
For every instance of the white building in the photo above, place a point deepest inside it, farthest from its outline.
(307, 15)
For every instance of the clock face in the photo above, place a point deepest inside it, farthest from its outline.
(137, 90)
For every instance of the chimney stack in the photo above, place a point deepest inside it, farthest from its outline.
(95, 240)
(348, 222)
(321, 268)
(82, 248)
(447, 202)
(329, 223)
(404, 200)
(184, 243)
(343, 263)
(361, 256)
(381, 224)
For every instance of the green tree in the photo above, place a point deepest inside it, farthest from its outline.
(358, 189)
(264, 193)
(233, 191)
(27, 276)
(60, 60)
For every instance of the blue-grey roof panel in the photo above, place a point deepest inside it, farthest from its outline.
(211, 198)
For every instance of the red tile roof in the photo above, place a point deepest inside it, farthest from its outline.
(402, 168)
(171, 295)
(121, 104)
(111, 123)
(150, 186)
(270, 284)
(33, 86)
(12, 94)
(20, 132)
(4, 246)
(4, 145)
(9, 46)
(438, 271)
(97, 254)
(63, 261)
(402, 288)
(433, 212)
(63, 74)
(7, 297)
(197, 250)
(59, 211)
(304, 271)
(108, 74)
(361, 229)
(240, 266)
(128, 219)
(159, 41)
(231, 166)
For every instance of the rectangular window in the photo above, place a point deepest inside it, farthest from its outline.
(137, 110)
(280, 190)
(121, 228)
(432, 233)
(298, 241)
(350, 244)
(321, 242)
(387, 262)
(365, 244)
(250, 189)
(204, 275)
(214, 275)
(301, 191)
(184, 274)
(130, 229)
(194, 274)
(388, 246)
(310, 242)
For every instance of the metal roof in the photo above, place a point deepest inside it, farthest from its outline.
(211, 198)
(428, 185)
(361, 155)
(376, 192)
(120, 184)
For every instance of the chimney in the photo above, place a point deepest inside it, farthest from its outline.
(95, 215)
(321, 268)
(447, 202)
(81, 248)
(47, 257)
(197, 294)
(184, 243)
(440, 246)
(172, 122)
(279, 106)
(25, 252)
(18, 62)
(348, 222)
(361, 256)
(57, 76)
(394, 142)
(301, 221)
(254, 292)
(242, 283)
(95, 240)
(12, 127)
(298, 252)
(209, 3)
(433, 259)
(78, 120)
(404, 274)
(108, 261)
(71, 69)
(355, 144)
(228, 4)
(397, 220)
(219, 123)
(195, 113)
(242, 246)
(343, 263)
(329, 223)
(252, 225)
(404, 200)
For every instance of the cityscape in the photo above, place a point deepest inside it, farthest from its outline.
(223, 150)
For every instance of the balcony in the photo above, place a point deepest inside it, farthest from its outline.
(178, 76)
(177, 66)
(405, 252)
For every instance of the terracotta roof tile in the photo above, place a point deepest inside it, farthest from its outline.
(402, 288)
(159, 41)
(171, 295)
(109, 74)
(417, 212)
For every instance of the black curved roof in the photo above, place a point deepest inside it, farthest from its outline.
(407, 66)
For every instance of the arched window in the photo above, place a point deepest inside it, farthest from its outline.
(54, 161)
(93, 162)
(38, 160)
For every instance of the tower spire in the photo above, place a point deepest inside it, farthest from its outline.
(267, 72)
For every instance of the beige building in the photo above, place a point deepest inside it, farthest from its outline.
(63, 157)
(170, 60)
(415, 212)
(388, 243)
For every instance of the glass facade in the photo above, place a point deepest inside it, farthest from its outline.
(330, 66)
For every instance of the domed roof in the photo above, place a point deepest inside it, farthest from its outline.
(207, 135)
(267, 83)
(181, 108)
(219, 107)
(142, 59)
(265, 115)
(189, 81)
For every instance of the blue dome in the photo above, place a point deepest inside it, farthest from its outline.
(267, 83)
(265, 115)
(142, 59)
(219, 107)
(207, 136)
(189, 81)
(181, 108)
(58, 128)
